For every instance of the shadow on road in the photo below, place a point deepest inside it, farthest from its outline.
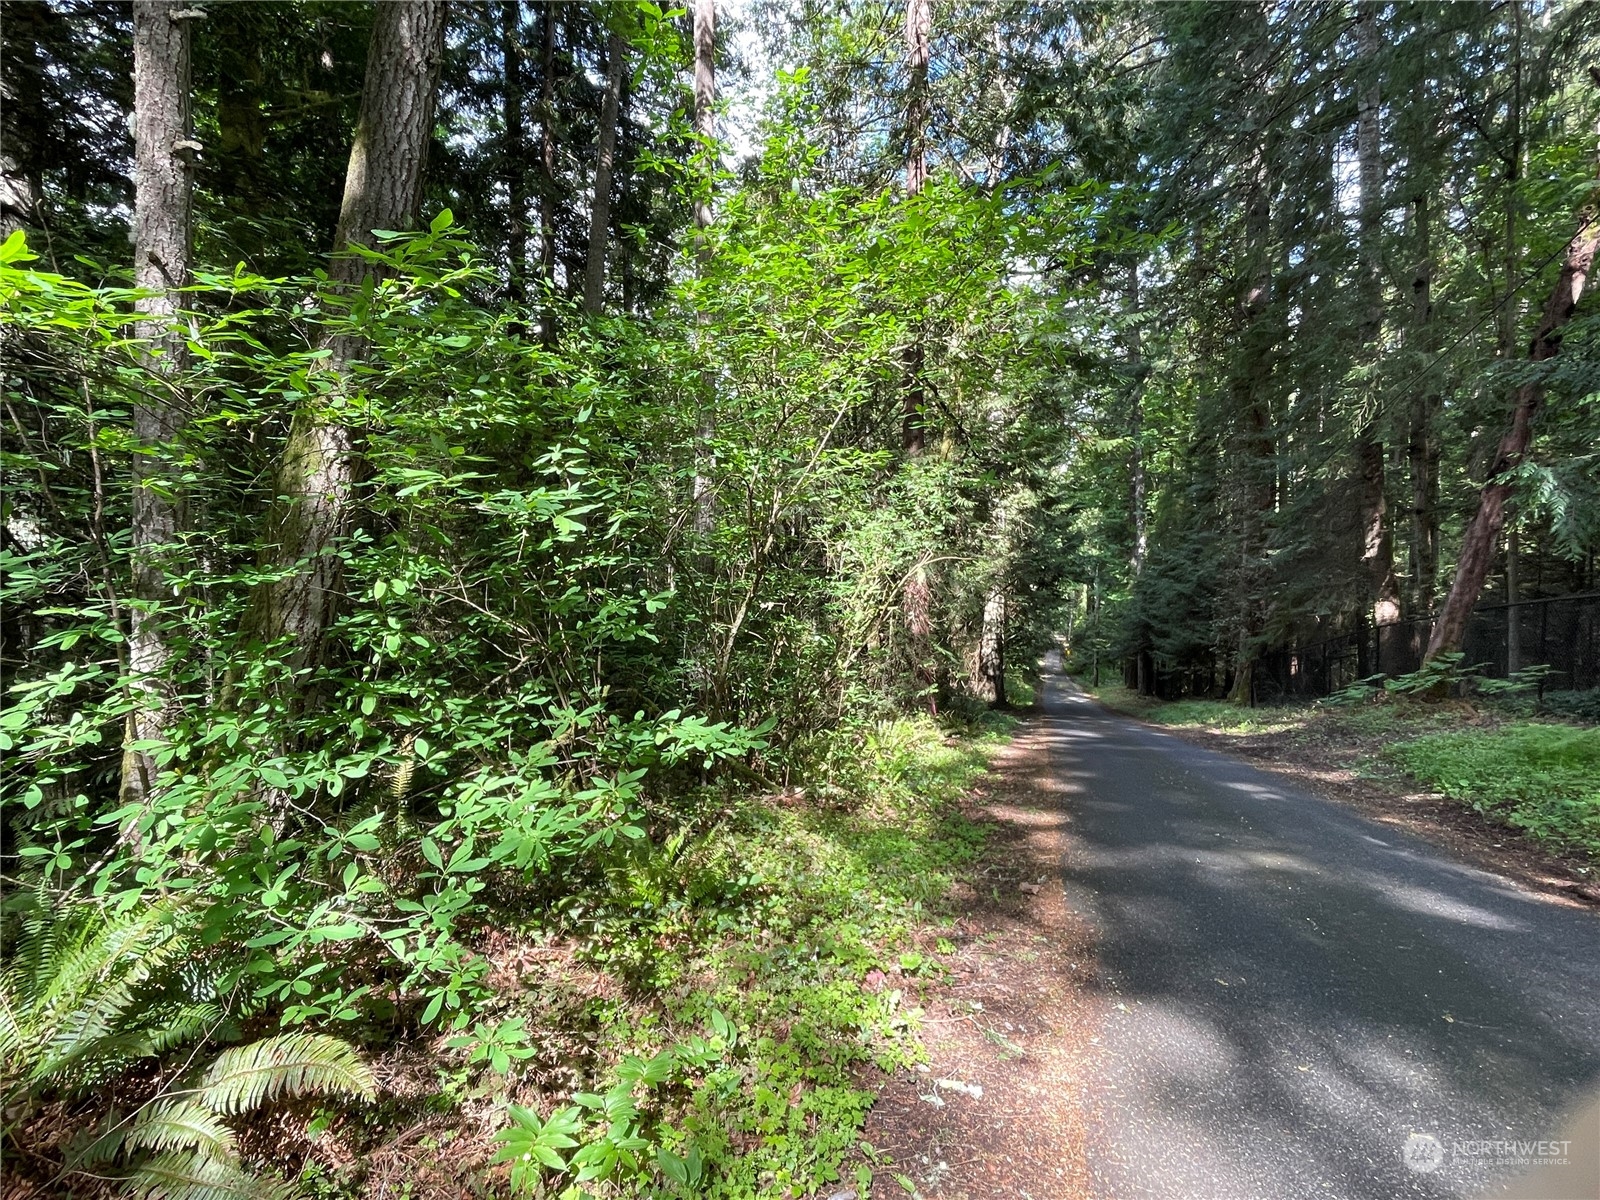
(1300, 1002)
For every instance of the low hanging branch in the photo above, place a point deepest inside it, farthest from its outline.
(1483, 534)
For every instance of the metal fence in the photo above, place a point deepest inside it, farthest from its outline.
(1559, 632)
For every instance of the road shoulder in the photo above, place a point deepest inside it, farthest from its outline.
(998, 1109)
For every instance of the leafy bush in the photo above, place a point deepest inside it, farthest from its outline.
(1542, 779)
(779, 945)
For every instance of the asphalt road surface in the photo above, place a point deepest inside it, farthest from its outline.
(1296, 994)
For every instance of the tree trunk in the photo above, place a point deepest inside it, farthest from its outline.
(992, 645)
(1513, 596)
(19, 196)
(1422, 447)
(1256, 493)
(547, 166)
(22, 116)
(1377, 537)
(919, 27)
(310, 512)
(513, 152)
(1483, 533)
(163, 206)
(594, 278)
(1136, 479)
(705, 126)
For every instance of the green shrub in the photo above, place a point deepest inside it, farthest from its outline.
(1542, 779)
(1574, 704)
(780, 943)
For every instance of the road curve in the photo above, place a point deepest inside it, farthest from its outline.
(1293, 993)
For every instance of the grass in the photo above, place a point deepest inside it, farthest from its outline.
(1021, 687)
(1542, 779)
(1207, 714)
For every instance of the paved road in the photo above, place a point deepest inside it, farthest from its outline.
(1293, 991)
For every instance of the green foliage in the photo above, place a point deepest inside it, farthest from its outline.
(777, 943)
(86, 993)
(1574, 705)
(1541, 779)
(537, 669)
(1435, 677)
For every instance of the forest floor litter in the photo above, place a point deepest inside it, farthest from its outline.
(998, 1109)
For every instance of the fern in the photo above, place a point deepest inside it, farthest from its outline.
(295, 1063)
(178, 1176)
(87, 992)
(181, 1124)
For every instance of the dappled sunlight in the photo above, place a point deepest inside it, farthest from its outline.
(1255, 789)
(1432, 903)
(1289, 991)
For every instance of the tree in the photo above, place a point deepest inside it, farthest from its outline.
(594, 279)
(705, 127)
(512, 152)
(312, 503)
(1377, 542)
(547, 166)
(1479, 543)
(163, 206)
(919, 22)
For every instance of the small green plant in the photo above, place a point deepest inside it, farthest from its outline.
(1362, 691)
(1438, 675)
(1523, 682)
(1542, 779)
(88, 992)
(610, 1138)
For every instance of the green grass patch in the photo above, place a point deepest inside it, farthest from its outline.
(1541, 779)
(1209, 714)
(1021, 687)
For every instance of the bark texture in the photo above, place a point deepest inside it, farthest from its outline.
(705, 125)
(21, 137)
(919, 28)
(1422, 445)
(1377, 534)
(1483, 533)
(1136, 473)
(311, 510)
(594, 277)
(1254, 490)
(164, 150)
(992, 646)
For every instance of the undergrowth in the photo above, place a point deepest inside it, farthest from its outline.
(1541, 779)
(744, 984)
(1213, 714)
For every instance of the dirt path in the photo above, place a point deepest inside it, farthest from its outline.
(999, 1109)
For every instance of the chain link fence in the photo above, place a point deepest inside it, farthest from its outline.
(1561, 633)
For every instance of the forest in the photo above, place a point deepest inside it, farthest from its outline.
(522, 518)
